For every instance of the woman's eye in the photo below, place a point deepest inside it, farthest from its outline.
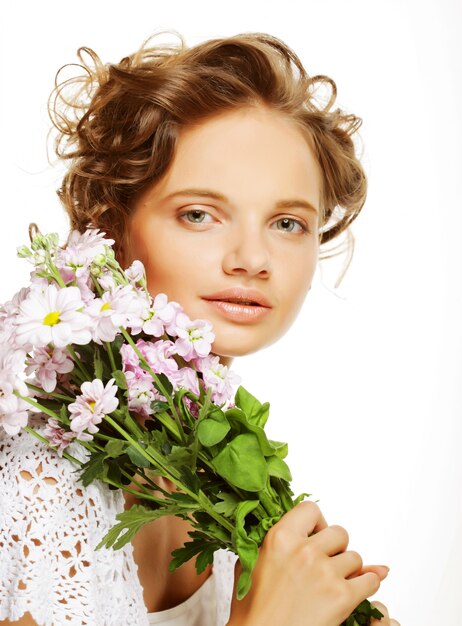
(289, 221)
(197, 214)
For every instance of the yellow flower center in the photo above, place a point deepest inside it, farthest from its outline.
(106, 306)
(51, 319)
(91, 405)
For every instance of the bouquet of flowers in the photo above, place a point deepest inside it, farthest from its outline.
(132, 379)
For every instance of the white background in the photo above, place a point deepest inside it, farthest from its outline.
(366, 387)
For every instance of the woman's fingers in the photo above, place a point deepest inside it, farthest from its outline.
(303, 520)
(363, 586)
(380, 570)
(332, 540)
(348, 563)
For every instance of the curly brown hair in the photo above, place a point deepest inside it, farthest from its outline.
(118, 124)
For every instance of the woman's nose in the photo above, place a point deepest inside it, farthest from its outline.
(247, 252)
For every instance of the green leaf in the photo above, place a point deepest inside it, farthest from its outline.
(301, 497)
(115, 448)
(120, 380)
(246, 547)
(131, 521)
(179, 456)
(190, 479)
(137, 458)
(281, 448)
(93, 468)
(185, 500)
(158, 406)
(242, 463)
(238, 418)
(188, 550)
(279, 468)
(165, 383)
(256, 412)
(213, 429)
(63, 414)
(362, 614)
(205, 557)
(229, 504)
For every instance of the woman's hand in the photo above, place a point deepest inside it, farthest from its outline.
(300, 580)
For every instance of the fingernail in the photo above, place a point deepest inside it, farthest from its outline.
(385, 567)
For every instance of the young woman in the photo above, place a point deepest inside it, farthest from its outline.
(217, 167)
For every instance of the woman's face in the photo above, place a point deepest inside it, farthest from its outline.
(233, 231)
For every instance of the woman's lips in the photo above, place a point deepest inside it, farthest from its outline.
(239, 312)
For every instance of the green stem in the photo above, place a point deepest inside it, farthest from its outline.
(111, 355)
(147, 367)
(54, 271)
(86, 375)
(268, 503)
(52, 394)
(42, 408)
(202, 415)
(157, 460)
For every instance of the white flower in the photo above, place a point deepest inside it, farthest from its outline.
(122, 307)
(52, 315)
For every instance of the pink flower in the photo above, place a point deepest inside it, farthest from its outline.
(218, 378)
(195, 338)
(186, 378)
(12, 366)
(80, 251)
(106, 280)
(13, 413)
(159, 355)
(141, 393)
(57, 436)
(130, 360)
(135, 273)
(171, 326)
(160, 315)
(8, 312)
(46, 363)
(95, 402)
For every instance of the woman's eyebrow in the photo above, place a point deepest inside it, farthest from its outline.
(281, 204)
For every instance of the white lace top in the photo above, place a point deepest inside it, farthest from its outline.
(48, 565)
